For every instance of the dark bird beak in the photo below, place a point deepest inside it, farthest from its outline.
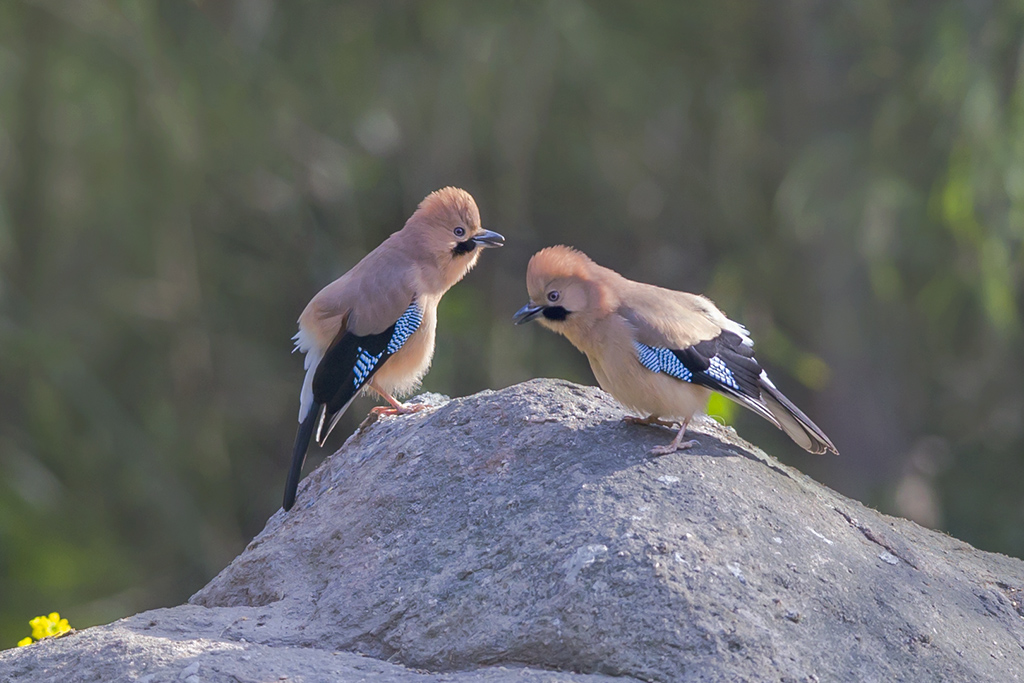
(489, 238)
(527, 313)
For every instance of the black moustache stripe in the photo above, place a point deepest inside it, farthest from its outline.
(464, 247)
(555, 313)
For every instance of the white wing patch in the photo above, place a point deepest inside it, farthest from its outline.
(740, 330)
(304, 343)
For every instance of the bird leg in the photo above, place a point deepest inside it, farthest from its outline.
(649, 420)
(397, 407)
(677, 443)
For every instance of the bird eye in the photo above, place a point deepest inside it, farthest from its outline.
(553, 296)
(460, 231)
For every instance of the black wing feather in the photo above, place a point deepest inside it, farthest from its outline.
(335, 382)
(696, 358)
(348, 364)
(736, 372)
(727, 365)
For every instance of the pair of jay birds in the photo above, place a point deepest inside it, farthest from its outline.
(659, 352)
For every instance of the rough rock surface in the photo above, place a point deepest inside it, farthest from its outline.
(190, 644)
(521, 534)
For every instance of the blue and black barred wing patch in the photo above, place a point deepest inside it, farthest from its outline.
(351, 361)
(662, 360)
(724, 364)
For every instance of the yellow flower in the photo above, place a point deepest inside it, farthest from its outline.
(39, 626)
(48, 625)
(25, 641)
(58, 625)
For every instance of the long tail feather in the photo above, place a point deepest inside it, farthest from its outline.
(329, 420)
(792, 420)
(302, 438)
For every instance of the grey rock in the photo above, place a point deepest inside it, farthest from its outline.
(522, 534)
(192, 644)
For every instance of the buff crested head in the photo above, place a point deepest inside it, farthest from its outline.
(566, 288)
(446, 228)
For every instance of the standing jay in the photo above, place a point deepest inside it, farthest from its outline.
(657, 351)
(373, 328)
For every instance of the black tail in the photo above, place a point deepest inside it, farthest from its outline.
(793, 421)
(302, 438)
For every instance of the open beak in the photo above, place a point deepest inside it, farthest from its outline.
(489, 238)
(527, 313)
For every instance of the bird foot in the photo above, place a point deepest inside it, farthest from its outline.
(672, 447)
(378, 412)
(651, 420)
(400, 409)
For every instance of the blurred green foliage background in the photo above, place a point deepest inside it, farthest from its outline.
(177, 179)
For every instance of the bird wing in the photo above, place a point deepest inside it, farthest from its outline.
(725, 364)
(350, 362)
(670, 319)
(685, 336)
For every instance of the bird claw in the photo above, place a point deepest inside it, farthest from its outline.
(400, 409)
(672, 447)
(651, 420)
(378, 412)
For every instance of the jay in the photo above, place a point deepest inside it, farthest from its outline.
(373, 328)
(657, 351)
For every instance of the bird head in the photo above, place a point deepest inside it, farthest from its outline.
(447, 225)
(565, 291)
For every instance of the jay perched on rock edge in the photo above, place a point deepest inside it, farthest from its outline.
(373, 328)
(657, 351)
